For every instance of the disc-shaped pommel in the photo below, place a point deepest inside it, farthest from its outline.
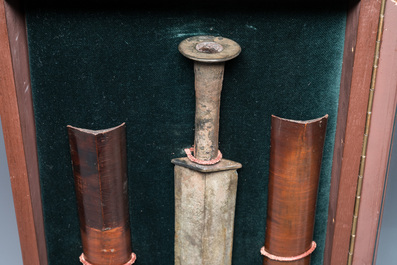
(209, 49)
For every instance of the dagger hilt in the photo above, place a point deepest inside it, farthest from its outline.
(209, 54)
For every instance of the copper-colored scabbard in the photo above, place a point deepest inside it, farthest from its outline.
(295, 163)
(100, 174)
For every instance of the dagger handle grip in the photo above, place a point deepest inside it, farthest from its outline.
(208, 87)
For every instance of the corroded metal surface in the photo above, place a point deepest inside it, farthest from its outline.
(204, 216)
(209, 49)
(205, 195)
(189, 216)
(224, 164)
(209, 54)
(208, 86)
(220, 201)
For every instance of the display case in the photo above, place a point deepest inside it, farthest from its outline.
(96, 65)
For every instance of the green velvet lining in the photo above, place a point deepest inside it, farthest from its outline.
(95, 69)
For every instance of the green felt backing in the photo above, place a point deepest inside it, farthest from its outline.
(95, 68)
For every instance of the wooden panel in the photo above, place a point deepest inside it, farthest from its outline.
(351, 122)
(19, 134)
(344, 94)
(380, 135)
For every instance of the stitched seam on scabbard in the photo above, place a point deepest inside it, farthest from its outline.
(293, 258)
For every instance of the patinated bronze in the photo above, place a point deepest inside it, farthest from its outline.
(100, 175)
(205, 188)
(295, 163)
(209, 54)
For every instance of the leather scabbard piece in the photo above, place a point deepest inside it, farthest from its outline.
(100, 175)
(294, 170)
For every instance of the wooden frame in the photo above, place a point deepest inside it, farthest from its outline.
(19, 133)
(360, 39)
(379, 142)
(360, 42)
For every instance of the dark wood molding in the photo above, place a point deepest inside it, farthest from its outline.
(359, 45)
(379, 141)
(344, 95)
(19, 133)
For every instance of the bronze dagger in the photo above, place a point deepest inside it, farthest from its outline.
(205, 183)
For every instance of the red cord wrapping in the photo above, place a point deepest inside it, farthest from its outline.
(278, 258)
(130, 262)
(189, 151)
